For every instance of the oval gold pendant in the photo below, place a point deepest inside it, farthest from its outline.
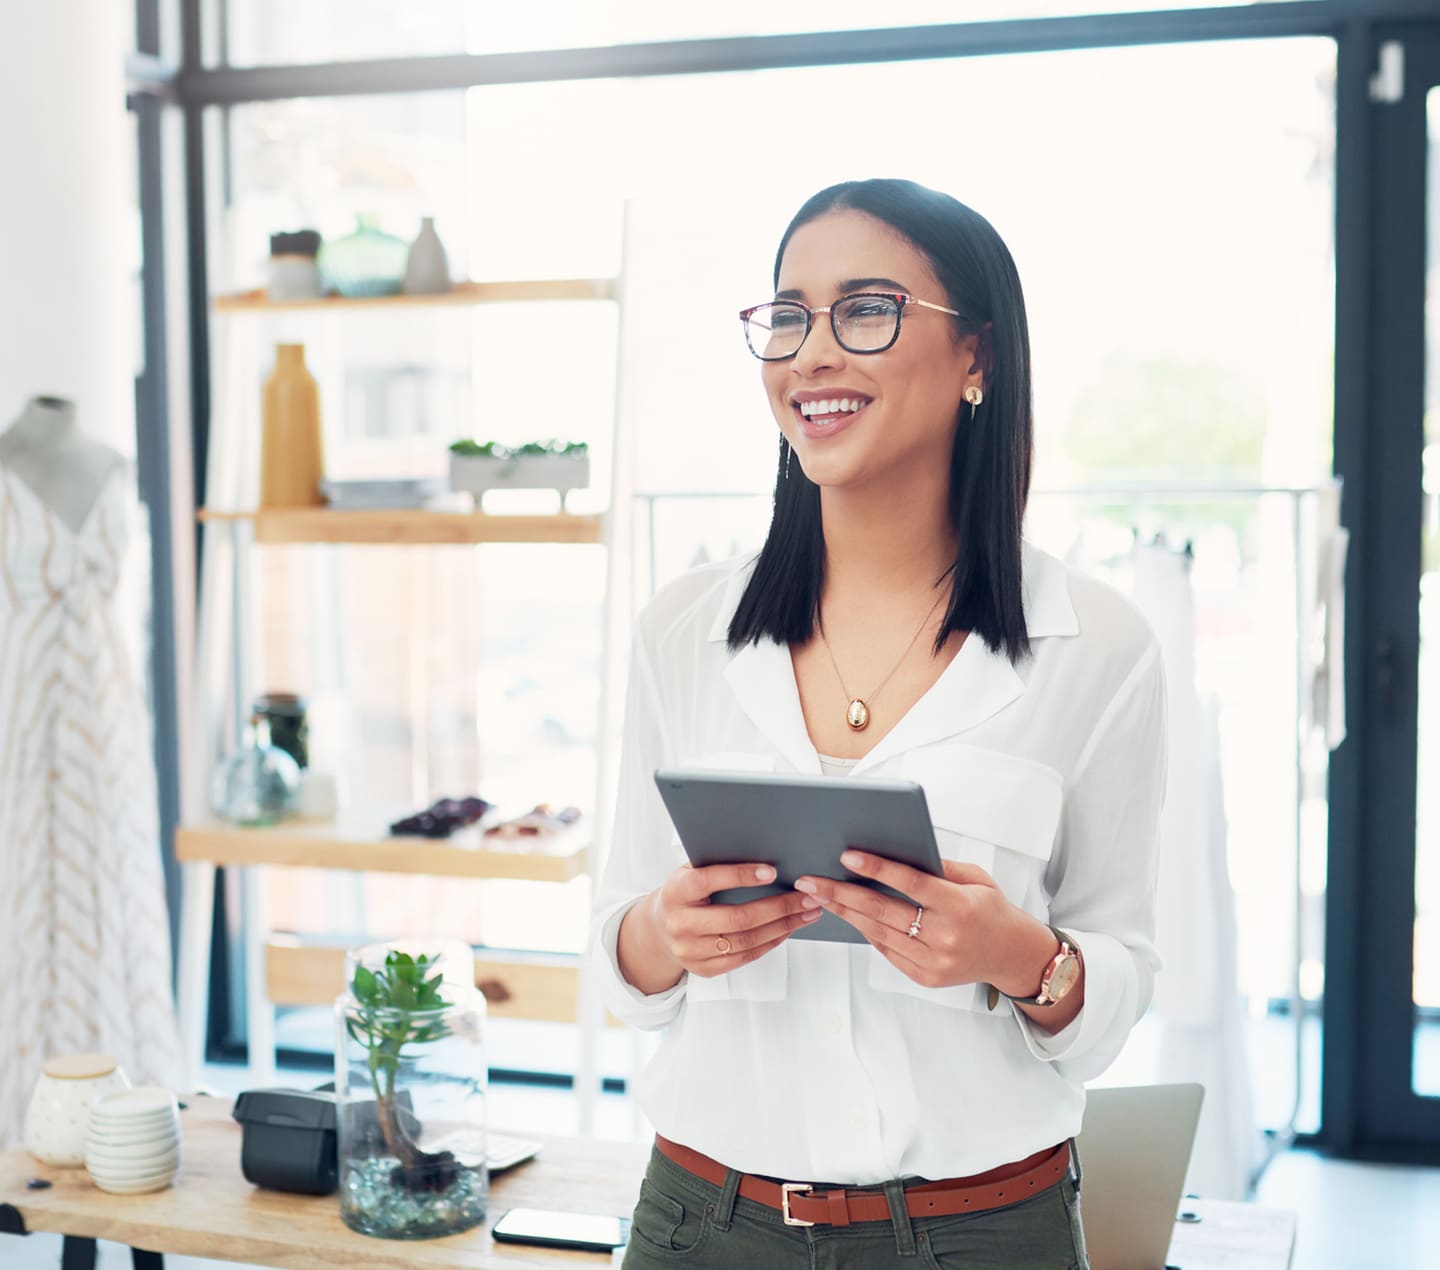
(858, 715)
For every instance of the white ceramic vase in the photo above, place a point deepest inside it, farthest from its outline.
(427, 269)
(59, 1110)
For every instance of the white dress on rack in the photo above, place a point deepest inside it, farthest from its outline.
(82, 906)
(1198, 1016)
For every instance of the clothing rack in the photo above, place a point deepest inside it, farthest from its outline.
(1280, 1138)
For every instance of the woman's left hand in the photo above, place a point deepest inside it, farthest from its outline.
(967, 929)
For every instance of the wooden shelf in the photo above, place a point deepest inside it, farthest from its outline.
(517, 985)
(357, 845)
(463, 293)
(401, 526)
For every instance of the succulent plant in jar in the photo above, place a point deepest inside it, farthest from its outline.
(410, 1081)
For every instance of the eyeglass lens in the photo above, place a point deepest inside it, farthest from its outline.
(861, 323)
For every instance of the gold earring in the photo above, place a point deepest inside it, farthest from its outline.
(974, 396)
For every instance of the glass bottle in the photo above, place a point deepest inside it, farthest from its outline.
(410, 1090)
(258, 784)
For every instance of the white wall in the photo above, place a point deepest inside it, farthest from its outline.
(68, 237)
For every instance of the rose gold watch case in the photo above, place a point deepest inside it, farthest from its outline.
(1061, 975)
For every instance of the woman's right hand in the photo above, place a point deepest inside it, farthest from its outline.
(676, 928)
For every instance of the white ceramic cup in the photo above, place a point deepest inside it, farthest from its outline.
(57, 1117)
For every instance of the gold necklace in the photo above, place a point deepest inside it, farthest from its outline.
(857, 712)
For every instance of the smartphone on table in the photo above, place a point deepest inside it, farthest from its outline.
(594, 1232)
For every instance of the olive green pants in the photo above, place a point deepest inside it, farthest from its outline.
(683, 1220)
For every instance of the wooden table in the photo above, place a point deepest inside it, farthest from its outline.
(211, 1211)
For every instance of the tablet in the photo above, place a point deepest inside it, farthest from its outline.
(799, 824)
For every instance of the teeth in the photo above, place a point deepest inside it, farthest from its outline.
(834, 405)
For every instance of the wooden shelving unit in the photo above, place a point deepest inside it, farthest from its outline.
(411, 526)
(275, 971)
(361, 846)
(463, 293)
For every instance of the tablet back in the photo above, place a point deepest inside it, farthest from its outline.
(800, 824)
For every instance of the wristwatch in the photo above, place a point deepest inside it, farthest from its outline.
(1061, 974)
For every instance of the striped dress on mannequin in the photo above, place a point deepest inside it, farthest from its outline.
(83, 917)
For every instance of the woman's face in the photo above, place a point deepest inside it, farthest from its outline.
(908, 396)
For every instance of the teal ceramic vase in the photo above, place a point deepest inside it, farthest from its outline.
(366, 262)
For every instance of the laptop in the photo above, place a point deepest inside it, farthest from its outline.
(1134, 1150)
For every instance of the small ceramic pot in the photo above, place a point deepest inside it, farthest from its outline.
(292, 278)
(59, 1112)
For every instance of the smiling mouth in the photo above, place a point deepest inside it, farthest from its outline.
(829, 410)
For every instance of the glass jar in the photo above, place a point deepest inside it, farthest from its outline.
(258, 784)
(410, 1085)
(289, 724)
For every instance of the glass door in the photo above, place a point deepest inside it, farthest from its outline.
(1425, 1064)
(1397, 1080)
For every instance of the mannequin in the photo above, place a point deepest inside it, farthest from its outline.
(64, 469)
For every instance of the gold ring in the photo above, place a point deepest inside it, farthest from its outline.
(722, 945)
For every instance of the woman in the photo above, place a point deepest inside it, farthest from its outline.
(884, 1103)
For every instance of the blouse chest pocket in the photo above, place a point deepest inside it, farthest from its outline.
(992, 810)
(765, 978)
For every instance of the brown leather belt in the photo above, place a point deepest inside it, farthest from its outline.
(803, 1205)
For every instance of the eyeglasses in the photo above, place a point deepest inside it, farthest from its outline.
(866, 322)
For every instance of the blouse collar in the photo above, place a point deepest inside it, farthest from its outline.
(977, 684)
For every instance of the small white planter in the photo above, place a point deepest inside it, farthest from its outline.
(475, 473)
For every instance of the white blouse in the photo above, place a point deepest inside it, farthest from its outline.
(821, 1061)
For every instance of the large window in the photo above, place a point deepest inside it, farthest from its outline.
(1175, 244)
(1179, 274)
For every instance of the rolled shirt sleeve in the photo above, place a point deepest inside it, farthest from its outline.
(1102, 874)
(642, 851)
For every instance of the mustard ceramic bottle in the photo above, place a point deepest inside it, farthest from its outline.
(292, 460)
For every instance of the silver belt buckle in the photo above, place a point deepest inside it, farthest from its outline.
(786, 1190)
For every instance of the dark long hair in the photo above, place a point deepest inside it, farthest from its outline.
(990, 461)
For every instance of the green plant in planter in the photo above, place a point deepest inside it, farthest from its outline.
(475, 449)
(495, 450)
(400, 1006)
(566, 448)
